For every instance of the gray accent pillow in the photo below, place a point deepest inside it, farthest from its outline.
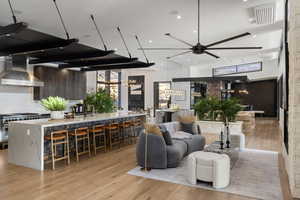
(189, 128)
(166, 135)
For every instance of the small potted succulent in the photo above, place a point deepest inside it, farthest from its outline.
(56, 105)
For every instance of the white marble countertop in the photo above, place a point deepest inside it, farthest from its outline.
(80, 119)
(167, 110)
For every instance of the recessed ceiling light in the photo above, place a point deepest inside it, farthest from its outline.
(115, 49)
(254, 36)
(245, 0)
(179, 17)
(150, 41)
(194, 31)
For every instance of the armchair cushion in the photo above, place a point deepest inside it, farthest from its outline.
(175, 153)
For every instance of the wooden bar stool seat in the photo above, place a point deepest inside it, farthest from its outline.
(81, 137)
(113, 134)
(79, 133)
(56, 137)
(98, 132)
(59, 138)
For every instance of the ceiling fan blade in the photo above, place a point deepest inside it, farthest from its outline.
(233, 48)
(229, 39)
(179, 54)
(164, 48)
(171, 36)
(211, 54)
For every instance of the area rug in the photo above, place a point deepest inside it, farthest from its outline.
(255, 174)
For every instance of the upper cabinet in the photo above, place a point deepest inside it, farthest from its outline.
(68, 84)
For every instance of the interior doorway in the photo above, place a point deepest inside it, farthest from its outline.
(136, 93)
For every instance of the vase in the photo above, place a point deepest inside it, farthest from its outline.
(57, 114)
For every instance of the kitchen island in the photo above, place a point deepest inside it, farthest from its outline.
(26, 138)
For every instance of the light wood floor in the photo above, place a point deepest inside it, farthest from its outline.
(105, 177)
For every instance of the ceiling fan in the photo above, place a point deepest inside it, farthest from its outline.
(200, 48)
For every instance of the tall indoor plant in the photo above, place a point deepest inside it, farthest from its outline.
(207, 108)
(56, 105)
(101, 101)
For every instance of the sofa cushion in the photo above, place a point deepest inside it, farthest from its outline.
(175, 153)
(172, 127)
(181, 135)
(195, 143)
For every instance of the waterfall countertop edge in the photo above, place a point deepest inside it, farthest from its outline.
(43, 123)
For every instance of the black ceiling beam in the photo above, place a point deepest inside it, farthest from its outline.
(70, 57)
(208, 79)
(119, 66)
(9, 30)
(117, 60)
(38, 47)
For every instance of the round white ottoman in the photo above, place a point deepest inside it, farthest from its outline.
(209, 167)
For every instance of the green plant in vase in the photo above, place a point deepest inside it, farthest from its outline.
(56, 105)
(101, 101)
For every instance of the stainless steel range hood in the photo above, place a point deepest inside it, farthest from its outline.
(16, 74)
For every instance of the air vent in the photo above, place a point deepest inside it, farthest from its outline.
(265, 14)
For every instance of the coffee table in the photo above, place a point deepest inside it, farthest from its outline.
(233, 152)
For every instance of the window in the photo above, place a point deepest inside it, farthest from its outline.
(198, 92)
(236, 69)
(111, 81)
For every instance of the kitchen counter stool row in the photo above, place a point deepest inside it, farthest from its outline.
(82, 140)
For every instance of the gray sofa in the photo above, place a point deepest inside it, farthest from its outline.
(162, 156)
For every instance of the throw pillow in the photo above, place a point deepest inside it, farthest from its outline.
(189, 128)
(188, 124)
(166, 134)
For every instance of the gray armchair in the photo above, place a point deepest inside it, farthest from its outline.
(157, 151)
(162, 156)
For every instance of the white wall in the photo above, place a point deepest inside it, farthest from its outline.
(16, 99)
(165, 71)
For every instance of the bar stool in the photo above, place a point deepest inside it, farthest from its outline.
(59, 138)
(137, 123)
(81, 134)
(98, 131)
(126, 130)
(113, 134)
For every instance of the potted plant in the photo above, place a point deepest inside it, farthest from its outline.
(207, 108)
(56, 105)
(229, 109)
(213, 114)
(101, 101)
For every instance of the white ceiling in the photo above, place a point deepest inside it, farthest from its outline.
(151, 19)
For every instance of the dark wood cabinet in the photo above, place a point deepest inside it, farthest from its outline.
(262, 95)
(68, 84)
